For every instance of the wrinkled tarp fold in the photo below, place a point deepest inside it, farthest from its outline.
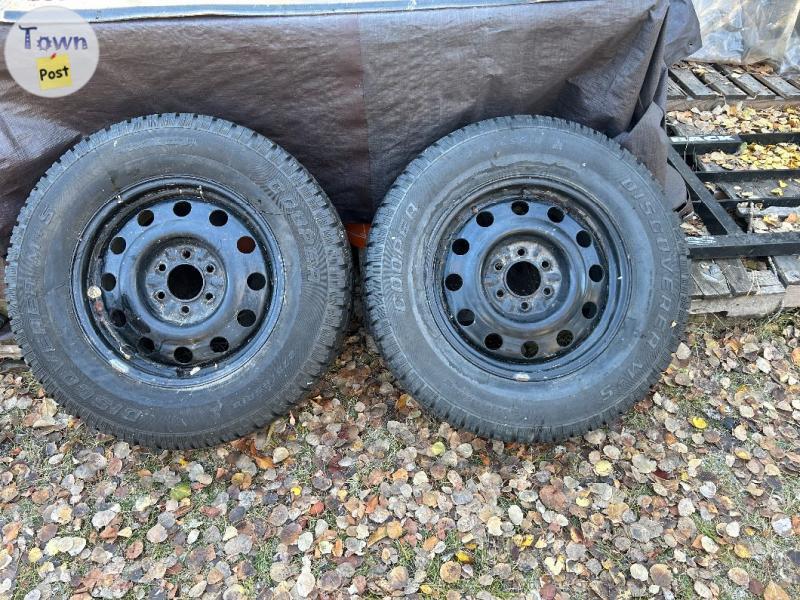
(355, 96)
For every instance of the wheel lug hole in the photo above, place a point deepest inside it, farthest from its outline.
(564, 338)
(146, 345)
(162, 267)
(453, 282)
(465, 317)
(547, 291)
(209, 268)
(185, 310)
(209, 296)
(546, 265)
(183, 355)
(500, 293)
(498, 266)
(524, 306)
(160, 295)
(219, 344)
(530, 349)
(186, 254)
(493, 341)
(118, 318)
(521, 252)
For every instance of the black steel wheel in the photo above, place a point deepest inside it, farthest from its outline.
(178, 280)
(526, 279)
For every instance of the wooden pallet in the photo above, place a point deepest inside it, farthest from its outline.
(732, 288)
(728, 287)
(705, 86)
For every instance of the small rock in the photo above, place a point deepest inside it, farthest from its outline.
(763, 365)
(104, 517)
(703, 590)
(305, 583)
(279, 515)
(643, 464)
(394, 530)
(709, 545)
(241, 544)
(305, 541)
(782, 526)
(575, 551)
(493, 526)
(708, 489)
(279, 571)
(197, 590)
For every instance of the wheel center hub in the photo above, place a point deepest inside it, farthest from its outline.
(523, 278)
(185, 282)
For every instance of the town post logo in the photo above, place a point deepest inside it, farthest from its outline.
(51, 52)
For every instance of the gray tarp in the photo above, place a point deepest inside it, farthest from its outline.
(355, 92)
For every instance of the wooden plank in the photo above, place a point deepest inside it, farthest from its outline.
(677, 98)
(779, 211)
(736, 276)
(696, 88)
(10, 351)
(699, 93)
(765, 297)
(674, 91)
(779, 85)
(753, 189)
(793, 79)
(709, 281)
(719, 83)
(787, 268)
(752, 86)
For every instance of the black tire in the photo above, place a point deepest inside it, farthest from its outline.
(303, 296)
(413, 243)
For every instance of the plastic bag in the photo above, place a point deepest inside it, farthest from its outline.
(791, 60)
(747, 31)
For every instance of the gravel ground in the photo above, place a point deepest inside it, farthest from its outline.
(358, 493)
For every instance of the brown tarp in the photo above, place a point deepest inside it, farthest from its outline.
(355, 93)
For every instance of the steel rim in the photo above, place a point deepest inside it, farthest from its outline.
(531, 277)
(177, 278)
